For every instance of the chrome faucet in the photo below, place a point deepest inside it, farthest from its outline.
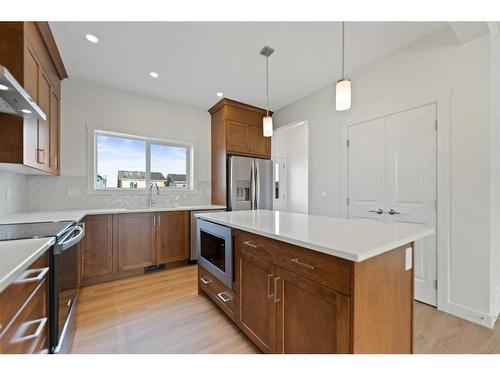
(151, 187)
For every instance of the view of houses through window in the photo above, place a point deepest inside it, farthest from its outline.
(127, 162)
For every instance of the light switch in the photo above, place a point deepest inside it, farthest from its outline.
(408, 259)
(324, 194)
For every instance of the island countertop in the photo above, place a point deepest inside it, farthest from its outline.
(352, 239)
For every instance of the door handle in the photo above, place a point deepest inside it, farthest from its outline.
(393, 212)
(379, 211)
(276, 297)
(269, 293)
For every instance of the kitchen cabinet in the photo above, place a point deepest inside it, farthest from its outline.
(24, 311)
(135, 240)
(172, 236)
(295, 300)
(29, 52)
(257, 302)
(236, 130)
(97, 248)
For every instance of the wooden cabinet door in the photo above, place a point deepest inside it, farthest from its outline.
(31, 73)
(136, 241)
(97, 246)
(257, 316)
(44, 94)
(259, 145)
(30, 127)
(54, 123)
(237, 137)
(310, 318)
(172, 236)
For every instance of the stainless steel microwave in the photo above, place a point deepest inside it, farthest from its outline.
(214, 244)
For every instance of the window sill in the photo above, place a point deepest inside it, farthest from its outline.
(138, 191)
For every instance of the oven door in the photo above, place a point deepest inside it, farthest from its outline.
(215, 250)
(65, 288)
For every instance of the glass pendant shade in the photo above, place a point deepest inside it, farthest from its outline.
(268, 126)
(343, 95)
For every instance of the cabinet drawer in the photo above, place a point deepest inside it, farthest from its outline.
(327, 270)
(223, 296)
(13, 298)
(28, 332)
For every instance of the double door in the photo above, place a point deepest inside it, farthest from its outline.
(392, 178)
(283, 312)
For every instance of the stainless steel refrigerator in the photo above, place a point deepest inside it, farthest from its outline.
(250, 184)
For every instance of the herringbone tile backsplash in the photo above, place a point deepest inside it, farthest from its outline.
(58, 193)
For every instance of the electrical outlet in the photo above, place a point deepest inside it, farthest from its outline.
(73, 193)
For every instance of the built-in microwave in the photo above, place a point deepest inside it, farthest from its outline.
(214, 244)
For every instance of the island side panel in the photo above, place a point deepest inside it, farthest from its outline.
(382, 315)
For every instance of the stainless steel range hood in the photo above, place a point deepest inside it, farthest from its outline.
(15, 100)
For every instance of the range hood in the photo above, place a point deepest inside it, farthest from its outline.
(15, 100)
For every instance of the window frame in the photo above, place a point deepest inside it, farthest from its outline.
(148, 141)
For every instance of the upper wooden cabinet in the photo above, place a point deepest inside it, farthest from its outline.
(29, 52)
(236, 130)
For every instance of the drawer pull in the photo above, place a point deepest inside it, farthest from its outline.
(220, 295)
(19, 335)
(27, 276)
(269, 292)
(248, 243)
(276, 298)
(205, 280)
(297, 261)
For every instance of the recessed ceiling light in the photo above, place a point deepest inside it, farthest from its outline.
(3, 88)
(92, 38)
(25, 111)
(154, 74)
(220, 95)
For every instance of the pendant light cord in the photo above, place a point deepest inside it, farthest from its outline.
(267, 86)
(343, 26)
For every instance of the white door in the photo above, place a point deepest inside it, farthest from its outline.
(367, 170)
(279, 184)
(411, 187)
(392, 167)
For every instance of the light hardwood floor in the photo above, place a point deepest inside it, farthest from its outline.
(162, 313)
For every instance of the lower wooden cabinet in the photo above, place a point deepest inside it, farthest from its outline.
(97, 249)
(172, 236)
(257, 317)
(24, 311)
(136, 240)
(311, 319)
(121, 245)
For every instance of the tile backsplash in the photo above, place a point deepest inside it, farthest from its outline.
(12, 193)
(70, 192)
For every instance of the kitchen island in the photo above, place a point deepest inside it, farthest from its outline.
(312, 284)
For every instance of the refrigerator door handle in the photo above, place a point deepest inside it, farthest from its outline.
(252, 187)
(257, 186)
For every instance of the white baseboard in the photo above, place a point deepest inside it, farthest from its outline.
(471, 315)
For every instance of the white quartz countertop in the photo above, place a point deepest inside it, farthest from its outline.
(76, 215)
(17, 255)
(354, 240)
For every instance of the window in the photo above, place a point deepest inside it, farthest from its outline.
(128, 162)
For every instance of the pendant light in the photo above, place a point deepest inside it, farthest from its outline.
(267, 124)
(343, 86)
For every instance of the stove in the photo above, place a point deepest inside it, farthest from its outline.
(34, 230)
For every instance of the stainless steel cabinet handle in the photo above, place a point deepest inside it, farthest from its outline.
(154, 220)
(205, 280)
(379, 211)
(297, 261)
(393, 212)
(269, 293)
(27, 276)
(220, 295)
(23, 328)
(276, 298)
(248, 243)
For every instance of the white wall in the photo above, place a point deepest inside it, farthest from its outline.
(297, 169)
(431, 68)
(86, 104)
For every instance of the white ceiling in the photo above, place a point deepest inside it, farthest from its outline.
(196, 60)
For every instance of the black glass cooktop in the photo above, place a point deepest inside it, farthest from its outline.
(33, 230)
